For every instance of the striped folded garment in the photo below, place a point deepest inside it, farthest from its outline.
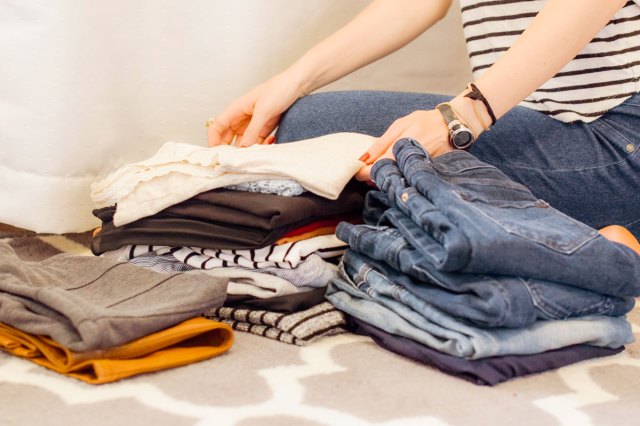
(298, 328)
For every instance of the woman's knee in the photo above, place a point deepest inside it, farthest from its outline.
(310, 117)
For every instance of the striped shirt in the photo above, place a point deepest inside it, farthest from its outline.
(603, 75)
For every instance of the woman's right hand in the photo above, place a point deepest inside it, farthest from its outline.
(252, 117)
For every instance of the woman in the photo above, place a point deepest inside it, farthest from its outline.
(554, 104)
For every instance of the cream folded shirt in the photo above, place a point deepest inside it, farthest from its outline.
(179, 171)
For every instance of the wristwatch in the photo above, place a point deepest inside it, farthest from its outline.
(460, 136)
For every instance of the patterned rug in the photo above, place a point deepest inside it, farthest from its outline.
(339, 380)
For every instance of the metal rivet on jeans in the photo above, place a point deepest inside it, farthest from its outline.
(404, 197)
(630, 147)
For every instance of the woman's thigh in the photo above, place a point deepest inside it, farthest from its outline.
(590, 171)
(368, 112)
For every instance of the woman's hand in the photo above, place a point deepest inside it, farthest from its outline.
(426, 127)
(252, 117)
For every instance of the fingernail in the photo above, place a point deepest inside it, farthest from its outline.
(371, 183)
(270, 139)
(364, 157)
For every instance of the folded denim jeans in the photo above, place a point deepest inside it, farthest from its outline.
(481, 221)
(374, 301)
(483, 300)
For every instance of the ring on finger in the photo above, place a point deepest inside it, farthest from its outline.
(212, 121)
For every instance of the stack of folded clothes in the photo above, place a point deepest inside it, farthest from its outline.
(263, 217)
(98, 320)
(461, 268)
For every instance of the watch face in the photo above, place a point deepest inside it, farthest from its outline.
(462, 139)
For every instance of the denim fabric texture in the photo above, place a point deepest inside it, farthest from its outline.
(464, 253)
(474, 219)
(379, 303)
(483, 300)
(486, 371)
(589, 171)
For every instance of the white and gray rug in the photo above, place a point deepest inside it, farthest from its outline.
(340, 380)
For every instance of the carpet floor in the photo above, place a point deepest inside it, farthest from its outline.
(340, 380)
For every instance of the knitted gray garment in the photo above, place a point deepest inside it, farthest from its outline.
(87, 303)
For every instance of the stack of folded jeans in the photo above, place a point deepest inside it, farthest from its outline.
(458, 265)
(263, 223)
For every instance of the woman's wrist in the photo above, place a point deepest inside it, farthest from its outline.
(300, 76)
(473, 112)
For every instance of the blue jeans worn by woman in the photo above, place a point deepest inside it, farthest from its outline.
(589, 171)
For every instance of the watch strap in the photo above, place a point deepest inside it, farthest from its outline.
(455, 125)
(447, 113)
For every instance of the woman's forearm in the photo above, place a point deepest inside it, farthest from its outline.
(381, 28)
(554, 37)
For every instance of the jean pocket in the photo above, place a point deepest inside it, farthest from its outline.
(621, 137)
(533, 220)
(561, 302)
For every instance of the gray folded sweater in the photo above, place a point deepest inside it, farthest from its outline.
(89, 303)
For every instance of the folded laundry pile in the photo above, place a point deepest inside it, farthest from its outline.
(180, 171)
(461, 268)
(100, 320)
(262, 217)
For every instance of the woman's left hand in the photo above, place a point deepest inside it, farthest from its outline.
(426, 127)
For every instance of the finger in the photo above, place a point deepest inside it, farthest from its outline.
(389, 152)
(270, 126)
(364, 174)
(239, 127)
(227, 137)
(215, 131)
(254, 130)
(265, 137)
(383, 142)
(386, 141)
(269, 140)
(222, 128)
(219, 127)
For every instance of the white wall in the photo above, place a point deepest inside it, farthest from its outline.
(86, 86)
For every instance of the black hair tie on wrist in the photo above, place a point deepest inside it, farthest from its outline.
(477, 95)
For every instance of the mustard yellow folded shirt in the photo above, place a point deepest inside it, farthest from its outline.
(191, 341)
